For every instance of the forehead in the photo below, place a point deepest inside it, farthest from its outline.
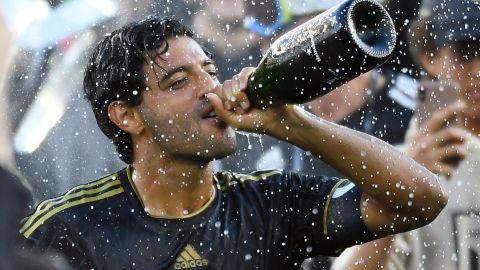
(181, 51)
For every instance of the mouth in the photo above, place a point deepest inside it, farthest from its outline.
(211, 114)
(207, 113)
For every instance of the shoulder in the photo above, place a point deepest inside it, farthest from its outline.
(77, 198)
(278, 178)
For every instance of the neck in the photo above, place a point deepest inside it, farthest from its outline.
(172, 188)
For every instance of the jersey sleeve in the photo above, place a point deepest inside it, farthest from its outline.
(56, 238)
(324, 214)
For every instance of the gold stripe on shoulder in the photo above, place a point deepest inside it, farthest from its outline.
(75, 192)
(327, 204)
(54, 211)
(259, 177)
(76, 188)
(227, 179)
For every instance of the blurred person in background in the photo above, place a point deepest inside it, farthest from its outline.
(445, 41)
(380, 102)
(166, 111)
(15, 191)
(14, 195)
(54, 131)
(7, 52)
(51, 123)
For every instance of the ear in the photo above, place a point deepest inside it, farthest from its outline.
(126, 117)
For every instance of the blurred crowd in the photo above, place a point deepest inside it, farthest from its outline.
(425, 99)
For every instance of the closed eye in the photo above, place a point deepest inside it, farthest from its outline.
(178, 84)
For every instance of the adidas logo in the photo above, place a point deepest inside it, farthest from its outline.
(189, 258)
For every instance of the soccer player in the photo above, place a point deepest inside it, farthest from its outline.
(155, 94)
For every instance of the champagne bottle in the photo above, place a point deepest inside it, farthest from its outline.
(323, 53)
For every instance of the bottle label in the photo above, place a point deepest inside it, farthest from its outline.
(303, 38)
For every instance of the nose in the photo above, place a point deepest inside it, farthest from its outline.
(207, 84)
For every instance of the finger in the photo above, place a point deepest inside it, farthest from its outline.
(237, 95)
(244, 77)
(242, 100)
(455, 151)
(216, 102)
(227, 94)
(450, 135)
(235, 88)
(239, 92)
(218, 106)
(238, 100)
(441, 118)
(218, 91)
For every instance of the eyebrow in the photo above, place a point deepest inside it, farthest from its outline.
(171, 72)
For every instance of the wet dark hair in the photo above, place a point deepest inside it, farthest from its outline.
(115, 71)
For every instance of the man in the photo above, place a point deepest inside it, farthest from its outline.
(154, 92)
(447, 141)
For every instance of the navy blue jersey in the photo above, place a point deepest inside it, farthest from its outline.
(263, 220)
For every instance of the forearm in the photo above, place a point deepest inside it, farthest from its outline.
(381, 171)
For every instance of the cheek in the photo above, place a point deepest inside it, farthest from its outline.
(473, 112)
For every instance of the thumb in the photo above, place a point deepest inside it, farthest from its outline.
(217, 104)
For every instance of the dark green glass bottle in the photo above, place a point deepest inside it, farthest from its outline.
(323, 53)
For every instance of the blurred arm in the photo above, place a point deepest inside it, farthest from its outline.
(370, 256)
(343, 101)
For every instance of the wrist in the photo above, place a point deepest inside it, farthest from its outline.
(286, 126)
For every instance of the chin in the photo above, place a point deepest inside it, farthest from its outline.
(217, 149)
(224, 150)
